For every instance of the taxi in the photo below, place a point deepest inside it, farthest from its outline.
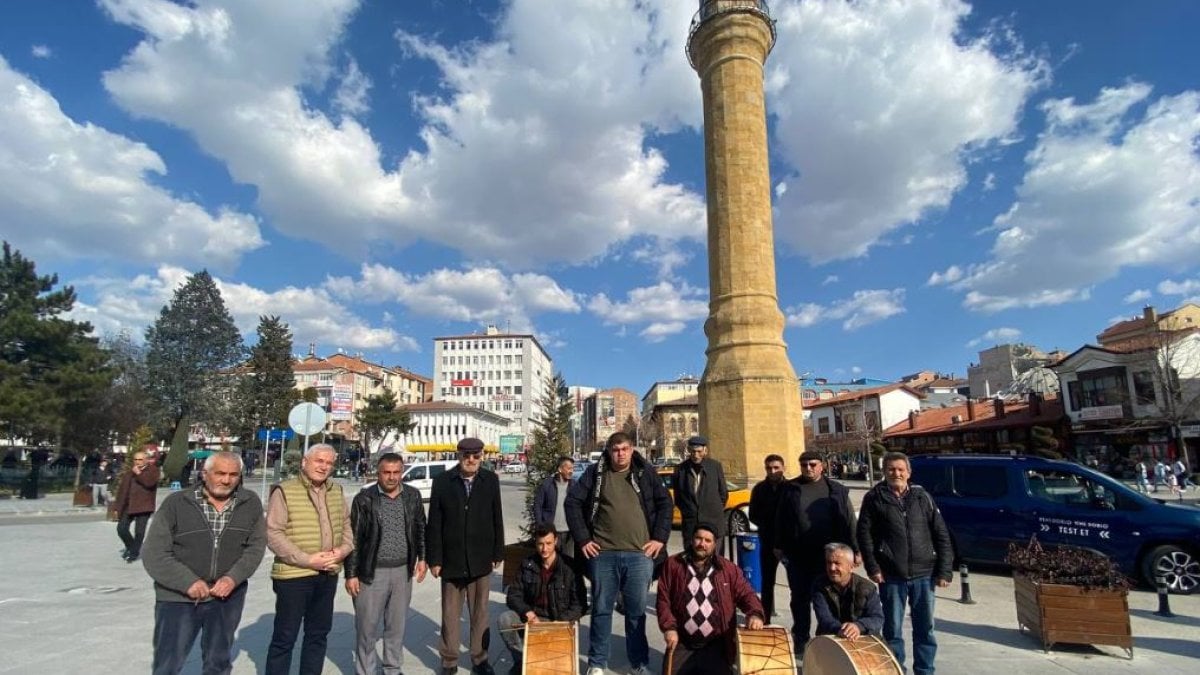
(737, 506)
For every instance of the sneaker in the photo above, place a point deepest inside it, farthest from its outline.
(595, 670)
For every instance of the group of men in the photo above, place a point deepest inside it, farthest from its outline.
(610, 526)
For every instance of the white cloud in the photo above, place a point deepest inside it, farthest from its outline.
(70, 189)
(1111, 183)
(952, 274)
(996, 336)
(989, 182)
(1140, 295)
(1185, 287)
(666, 309)
(831, 279)
(313, 315)
(879, 106)
(41, 51)
(861, 309)
(480, 295)
(352, 97)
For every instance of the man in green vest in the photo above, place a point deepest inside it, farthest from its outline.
(308, 530)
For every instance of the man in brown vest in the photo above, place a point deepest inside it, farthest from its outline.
(308, 530)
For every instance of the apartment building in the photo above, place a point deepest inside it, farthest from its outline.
(344, 383)
(604, 413)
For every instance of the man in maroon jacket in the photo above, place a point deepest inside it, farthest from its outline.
(698, 594)
(136, 499)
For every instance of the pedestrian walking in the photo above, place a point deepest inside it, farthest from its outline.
(99, 483)
(308, 530)
(620, 513)
(1141, 473)
(813, 511)
(1160, 474)
(1180, 472)
(700, 490)
(202, 547)
(388, 521)
(137, 497)
(549, 505)
(764, 502)
(906, 548)
(465, 543)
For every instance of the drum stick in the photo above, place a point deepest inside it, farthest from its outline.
(670, 661)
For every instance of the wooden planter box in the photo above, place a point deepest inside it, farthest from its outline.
(513, 555)
(1060, 613)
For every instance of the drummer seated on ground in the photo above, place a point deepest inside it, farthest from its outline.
(545, 589)
(846, 604)
(697, 594)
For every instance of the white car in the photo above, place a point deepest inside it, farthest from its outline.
(421, 474)
(515, 467)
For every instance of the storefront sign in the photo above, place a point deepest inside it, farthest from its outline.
(510, 444)
(1102, 412)
(341, 402)
(462, 383)
(1190, 430)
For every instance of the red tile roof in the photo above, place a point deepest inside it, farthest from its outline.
(941, 420)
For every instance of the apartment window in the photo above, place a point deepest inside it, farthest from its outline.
(517, 358)
(517, 374)
(1104, 386)
(822, 425)
(871, 419)
(519, 343)
(507, 375)
(508, 359)
(516, 406)
(517, 390)
(1143, 387)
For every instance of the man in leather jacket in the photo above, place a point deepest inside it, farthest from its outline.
(389, 549)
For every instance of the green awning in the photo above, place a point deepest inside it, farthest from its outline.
(199, 454)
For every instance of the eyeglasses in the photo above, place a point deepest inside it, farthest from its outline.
(810, 464)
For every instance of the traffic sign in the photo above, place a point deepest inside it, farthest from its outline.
(276, 434)
(307, 419)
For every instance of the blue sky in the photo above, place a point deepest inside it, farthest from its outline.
(947, 176)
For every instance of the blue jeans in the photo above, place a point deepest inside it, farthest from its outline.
(917, 593)
(176, 625)
(627, 573)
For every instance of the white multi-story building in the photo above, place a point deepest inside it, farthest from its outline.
(438, 426)
(501, 373)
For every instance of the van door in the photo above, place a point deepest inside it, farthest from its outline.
(1074, 509)
(981, 499)
(418, 477)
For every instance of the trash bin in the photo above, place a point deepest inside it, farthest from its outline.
(748, 560)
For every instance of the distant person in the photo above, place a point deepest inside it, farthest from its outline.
(389, 550)
(620, 515)
(813, 511)
(99, 483)
(545, 588)
(201, 549)
(764, 502)
(308, 530)
(846, 604)
(906, 549)
(136, 500)
(1141, 474)
(700, 490)
(1160, 474)
(1181, 475)
(549, 503)
(465, 544)
(698, 594)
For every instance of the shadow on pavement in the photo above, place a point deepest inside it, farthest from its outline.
(1177, 619)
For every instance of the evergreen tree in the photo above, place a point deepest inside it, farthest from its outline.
(265, 391)
(190, 343)
(378, 418)
(551, 440)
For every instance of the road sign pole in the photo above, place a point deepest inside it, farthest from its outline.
(307, 425)
(266, 454)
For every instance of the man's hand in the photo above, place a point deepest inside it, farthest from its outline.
(353, 587)
(877, 577)
(137, 469)
(590, 549)
(198, 590)
(672, 638)
(942, 583)
(322, 561)
(651, 548)
(421, 569)
(531, 617)
(436, 571)
(857, 560)
(850, 630)
(754, 622)
(222, 588)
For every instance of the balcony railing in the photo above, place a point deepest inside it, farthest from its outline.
(710, 8)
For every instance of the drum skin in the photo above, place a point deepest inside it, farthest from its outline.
(867, 655)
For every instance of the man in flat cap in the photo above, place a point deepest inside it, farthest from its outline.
(700, 491)
(464, 543)
(813, 511)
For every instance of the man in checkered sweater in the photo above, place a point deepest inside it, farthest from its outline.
(698, 595)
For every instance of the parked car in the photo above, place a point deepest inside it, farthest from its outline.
(514, 467)
(579, 468)
(737, 506)
(989, 502)
(421, 474)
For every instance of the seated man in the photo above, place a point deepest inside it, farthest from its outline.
(545, 589)
(697, 594)
(846, 604)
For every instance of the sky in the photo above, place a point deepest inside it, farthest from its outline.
(946, 176)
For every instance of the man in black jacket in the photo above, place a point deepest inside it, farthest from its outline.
(465, 542)
(764, 502)
(203, 545)
(389, 549)
(813, 511)
(545, 589)
(700, 491)
(620, 513)
(548, 503)
(906, 549)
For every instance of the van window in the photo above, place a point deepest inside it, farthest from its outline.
(1063, 487)
(935, 479)
(981, 482)
(415, 473)
(436, 470)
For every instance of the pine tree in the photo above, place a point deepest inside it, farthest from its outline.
(267, 391)
(551, 440)
(190, 343)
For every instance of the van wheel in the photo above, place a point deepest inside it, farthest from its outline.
(1180, 568)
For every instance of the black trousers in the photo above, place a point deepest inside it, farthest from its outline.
(800, 579)
(709, 659)
(770, 567)
(133, 542)
(307, 601)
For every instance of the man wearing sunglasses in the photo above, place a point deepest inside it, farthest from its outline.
(813, 511)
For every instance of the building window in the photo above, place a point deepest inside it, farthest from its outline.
(1104, 386)
(695, 425)
(1143, 387)
(822, 425)
(676, 425)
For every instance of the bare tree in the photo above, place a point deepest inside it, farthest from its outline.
(1170, 381)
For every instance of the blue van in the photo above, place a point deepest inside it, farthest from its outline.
(990, 501)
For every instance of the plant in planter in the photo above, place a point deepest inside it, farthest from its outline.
(1070, 595)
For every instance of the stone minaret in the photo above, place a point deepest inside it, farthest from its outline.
(749, 394)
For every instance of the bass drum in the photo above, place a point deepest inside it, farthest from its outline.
(765, 652)
(867, 655)
(551, 648)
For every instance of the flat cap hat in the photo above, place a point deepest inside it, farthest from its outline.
(470, 445)
(698, 440)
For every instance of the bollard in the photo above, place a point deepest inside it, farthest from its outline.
(966, 586)
(1164, 605)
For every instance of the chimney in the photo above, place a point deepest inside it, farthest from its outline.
(912, 419)
(956, 419)
(1150, 316)
(998, 405)
(1035, 403)
(970, 409)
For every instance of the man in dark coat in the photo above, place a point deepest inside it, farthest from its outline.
(135, 502)
(465, 542)
(549, 501)
(813, 511)
(700, 490)
(764, 502)
(906, 548)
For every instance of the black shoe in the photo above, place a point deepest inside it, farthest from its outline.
(516, 667)
(449, 670)
(484, 668)
(132, 557)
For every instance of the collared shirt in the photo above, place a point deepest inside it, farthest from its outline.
(216, 519)
(277, 520)
(467, 481)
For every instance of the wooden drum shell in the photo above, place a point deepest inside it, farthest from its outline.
(867, 655)
(551, 648)
(765, 652)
